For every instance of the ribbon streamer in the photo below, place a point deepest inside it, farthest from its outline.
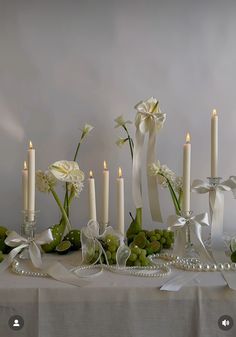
(91, 242)
(216, 205)
(149, 119)
(179, 225)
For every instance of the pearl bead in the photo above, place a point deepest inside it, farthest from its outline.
(220, 266)
(206, 267)
(199, 267)
(213, 267)
(233, 266)
(227, 266)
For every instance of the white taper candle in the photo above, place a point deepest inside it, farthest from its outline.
(31, 182)
(214, 144)
(92, 197)
(105, 197)
(25, 187)
(186, 174)
(120, 203)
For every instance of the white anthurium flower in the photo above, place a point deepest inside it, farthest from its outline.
(120, 121)
(44, 181)
(87, 128)
(121, 141)
(67, 171)
(149, 115)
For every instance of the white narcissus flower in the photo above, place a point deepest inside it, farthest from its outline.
(121, 122)
(44, 181)
(121, 141)
(86, 129)
(178, 184)
(163, 173)
(67, 171)
(149, 115)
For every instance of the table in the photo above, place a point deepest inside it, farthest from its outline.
(114, 305)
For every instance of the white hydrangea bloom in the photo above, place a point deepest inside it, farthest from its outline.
(76, 187)
(44, 181)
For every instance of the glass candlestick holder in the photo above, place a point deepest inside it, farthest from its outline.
(213, 182)
(189, 247)
(28, 229)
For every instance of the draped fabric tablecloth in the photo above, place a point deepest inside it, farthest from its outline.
(115, 306)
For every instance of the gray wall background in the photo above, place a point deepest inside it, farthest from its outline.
(64, 63)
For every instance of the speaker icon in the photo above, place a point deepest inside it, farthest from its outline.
(225, 322)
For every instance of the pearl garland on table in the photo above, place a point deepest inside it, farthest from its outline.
(192, 264)
(154, 270)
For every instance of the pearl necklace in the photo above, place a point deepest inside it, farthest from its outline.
(155, 270)
(192, 264)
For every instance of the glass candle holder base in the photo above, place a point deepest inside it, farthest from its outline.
(28, 230)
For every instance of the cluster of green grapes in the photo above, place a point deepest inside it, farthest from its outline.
(110, 245)
(146, 243)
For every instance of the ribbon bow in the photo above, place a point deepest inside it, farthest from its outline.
(20, 243)
(149, 119)
(179, 224)
(216, 199)
(91, 243)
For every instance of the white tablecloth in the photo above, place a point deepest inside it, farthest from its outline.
(115, 306)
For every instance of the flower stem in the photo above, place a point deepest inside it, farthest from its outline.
(131, 143)
(62, 209)
(173, 195)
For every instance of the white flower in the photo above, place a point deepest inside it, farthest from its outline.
(121, 122)
(163, 173)
(67, 171)
(149, 115)
(86, 129)
(44, 181)
(121, 141)
(76, 188)
(178, 184)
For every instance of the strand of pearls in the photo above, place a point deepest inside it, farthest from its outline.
(192, 264)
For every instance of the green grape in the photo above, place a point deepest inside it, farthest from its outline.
(140, 241)
(129, 263)
(136, 250)
(108, 254)
(158, 236)
(163, 240)
(153, 238)
(165, 233)
(112, 248)
(137, 263)
(143, 252)
(113, 256)
(133, 257)
(168, 243)
(145, 263)
(142, 258)
(149, 250)
(156, 246)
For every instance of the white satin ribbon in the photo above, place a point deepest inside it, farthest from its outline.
(179, 225)
(20, 243)
(91, 241)
(149, 119)
(216, 205)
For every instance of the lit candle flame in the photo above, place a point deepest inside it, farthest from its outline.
(214, 112)
(120, 172)
(90, 174)
(105, 165)
(30, 145)
(25, 165)
(188, 138)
